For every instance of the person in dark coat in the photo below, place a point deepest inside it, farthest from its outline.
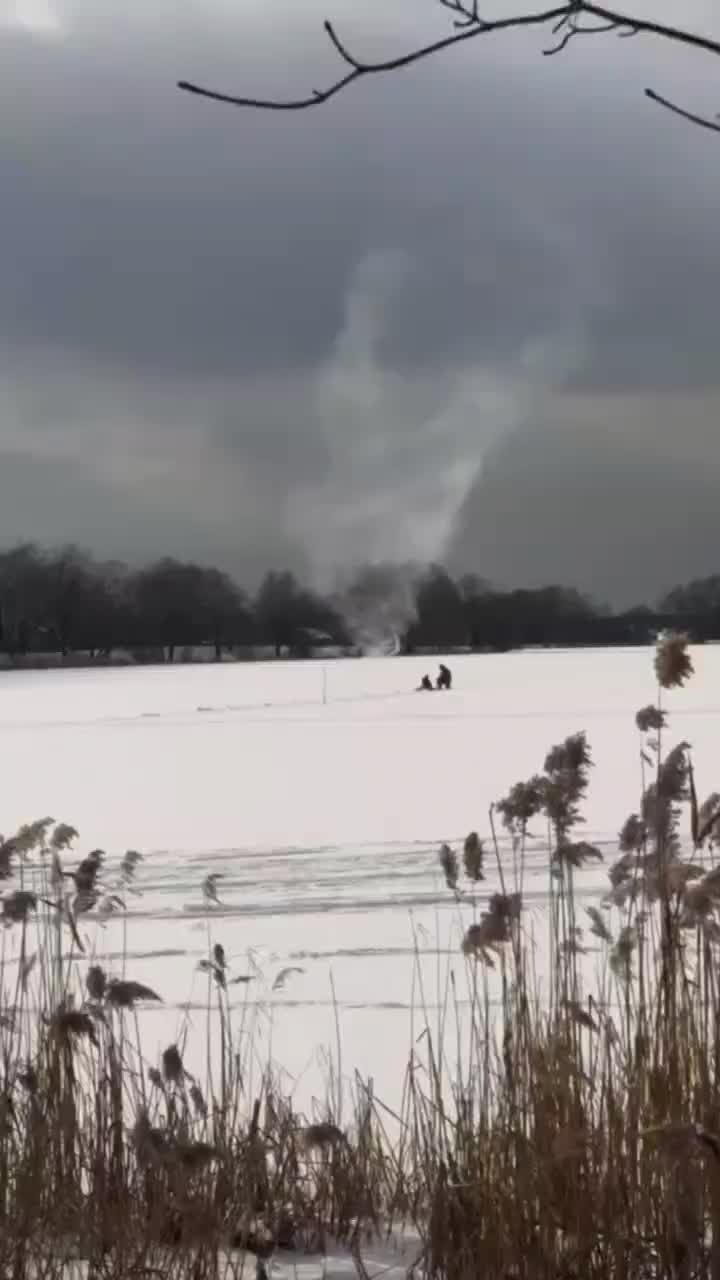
(425, 685)
(444, 680)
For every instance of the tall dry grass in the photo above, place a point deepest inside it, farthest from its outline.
(586, 1141)
(127, 1167)
(572, 1131)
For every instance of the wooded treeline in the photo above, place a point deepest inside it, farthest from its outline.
(65, 601)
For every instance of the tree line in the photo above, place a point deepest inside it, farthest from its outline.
(65, 601)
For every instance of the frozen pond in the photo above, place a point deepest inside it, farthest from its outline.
(322, 818)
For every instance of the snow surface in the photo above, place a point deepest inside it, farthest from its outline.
(390, 1259)
(323, 820)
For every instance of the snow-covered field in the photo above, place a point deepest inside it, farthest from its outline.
(323, 820)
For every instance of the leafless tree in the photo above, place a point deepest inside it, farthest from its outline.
(564, 22)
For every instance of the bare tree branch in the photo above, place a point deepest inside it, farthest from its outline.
(565, 20)
(646, 27)
(361, 69)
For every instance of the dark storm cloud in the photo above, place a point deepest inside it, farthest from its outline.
(283, 332)
(145, 226)
(39, 494)
(609, 512)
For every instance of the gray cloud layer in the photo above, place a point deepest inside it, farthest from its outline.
(295, 339)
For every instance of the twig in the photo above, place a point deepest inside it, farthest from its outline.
(576, 30)
(356, 1256)
(702, 121)
(466, 17)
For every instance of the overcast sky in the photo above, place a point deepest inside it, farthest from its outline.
(426, 321)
